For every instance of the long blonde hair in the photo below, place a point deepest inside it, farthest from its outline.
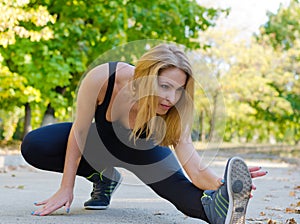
(167, 129)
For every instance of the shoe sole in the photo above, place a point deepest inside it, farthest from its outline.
(239, 186)
(104, 207)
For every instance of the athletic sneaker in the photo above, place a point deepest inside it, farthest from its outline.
(229, 203)
(103, 188)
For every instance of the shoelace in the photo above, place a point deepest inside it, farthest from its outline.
(102, 189)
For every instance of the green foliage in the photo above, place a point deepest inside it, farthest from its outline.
(283, 33)
(282, 28)
(14, 13)
(9, 121)
(259, 88)
(47, 45)
(15, 88)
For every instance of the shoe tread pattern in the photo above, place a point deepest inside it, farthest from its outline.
(240, 185)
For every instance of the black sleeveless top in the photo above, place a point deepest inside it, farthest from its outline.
(115, 137)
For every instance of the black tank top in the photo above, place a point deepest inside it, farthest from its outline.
(115, 137)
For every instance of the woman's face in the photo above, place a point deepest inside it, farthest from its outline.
(171, 84)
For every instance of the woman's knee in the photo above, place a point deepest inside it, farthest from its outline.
(29, 146)
(45, 141)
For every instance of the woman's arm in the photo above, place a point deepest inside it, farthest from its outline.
(87, 98)
(200, 174)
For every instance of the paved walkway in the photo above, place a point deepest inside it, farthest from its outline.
(22, 185)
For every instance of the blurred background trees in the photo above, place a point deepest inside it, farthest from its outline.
(46, 46)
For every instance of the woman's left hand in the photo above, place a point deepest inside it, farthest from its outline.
(256, 172)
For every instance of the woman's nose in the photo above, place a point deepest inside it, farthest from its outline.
(171, 97)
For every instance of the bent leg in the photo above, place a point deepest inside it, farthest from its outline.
(45, 148)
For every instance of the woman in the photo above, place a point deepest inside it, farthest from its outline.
(139, 112)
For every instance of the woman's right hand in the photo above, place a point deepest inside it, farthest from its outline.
(63, 197)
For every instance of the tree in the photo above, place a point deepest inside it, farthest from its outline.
(14, 13)
(83, 30)
(14, 87)
(282, 28)
(256, 109)
(283, 33)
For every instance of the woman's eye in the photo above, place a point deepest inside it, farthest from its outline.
(164, 86)
(180, 89)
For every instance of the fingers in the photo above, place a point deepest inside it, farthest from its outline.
(63, 197)
(47, 209)
(256, 172)
(50, 207)
(220, 181)
(253, 189)
(40, 203)
(254, 169)
(67, 207)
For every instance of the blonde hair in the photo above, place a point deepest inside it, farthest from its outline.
(167, 130)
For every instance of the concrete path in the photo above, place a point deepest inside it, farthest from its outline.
(21, 186)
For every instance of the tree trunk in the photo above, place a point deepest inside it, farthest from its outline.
(27, 121)
(49, 116)
(202, 123)
(212, 122)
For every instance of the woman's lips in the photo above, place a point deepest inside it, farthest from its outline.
(166, 107)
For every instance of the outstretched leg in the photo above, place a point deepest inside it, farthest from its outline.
(163, 174)
(160, 170)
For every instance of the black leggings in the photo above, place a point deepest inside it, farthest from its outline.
(45, 148)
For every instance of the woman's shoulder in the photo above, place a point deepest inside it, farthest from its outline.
(124, 68)
(124, 72)
(100, 73)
